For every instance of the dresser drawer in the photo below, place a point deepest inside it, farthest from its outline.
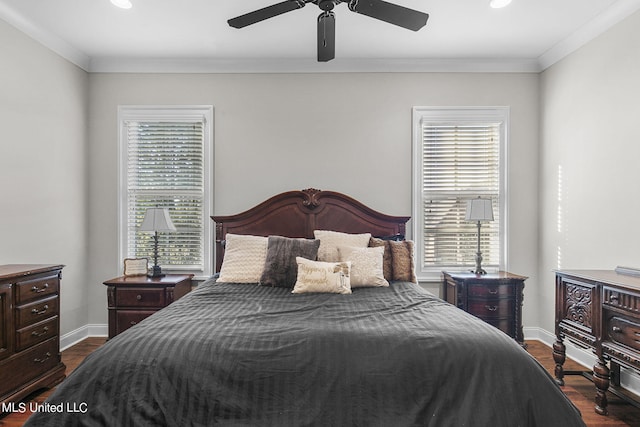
(140, 297)
(29, 365)
(491, 290)
(36, 311)
(491, 309)
(40, 287)
(128, 318)
(34, 334)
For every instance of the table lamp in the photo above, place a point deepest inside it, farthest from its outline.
(156, 220)
(479, 210)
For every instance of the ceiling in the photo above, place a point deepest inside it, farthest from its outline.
(193, 35)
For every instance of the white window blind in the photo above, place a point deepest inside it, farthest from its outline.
(166, 166)
(458, 157)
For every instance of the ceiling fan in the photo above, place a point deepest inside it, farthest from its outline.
(378, 9)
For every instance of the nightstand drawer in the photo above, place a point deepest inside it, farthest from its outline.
(128, 318)
(140, 297)
(491, 309)
(34, 334)
(36, 288)
(37, 311)
(489, 290)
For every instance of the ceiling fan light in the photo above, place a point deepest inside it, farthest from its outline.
(123, 4)
(497, 4)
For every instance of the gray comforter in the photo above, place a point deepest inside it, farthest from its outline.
(247, 355)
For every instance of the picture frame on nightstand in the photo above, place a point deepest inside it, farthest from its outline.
(136, 266)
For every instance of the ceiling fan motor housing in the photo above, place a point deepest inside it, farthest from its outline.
(326, 5)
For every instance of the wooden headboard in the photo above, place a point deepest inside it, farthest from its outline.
(298, 213)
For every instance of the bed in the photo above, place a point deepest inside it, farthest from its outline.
(244, 354)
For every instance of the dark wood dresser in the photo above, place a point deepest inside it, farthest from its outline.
(599, 310)
(495, 298)
(29, 329)
(132, 299)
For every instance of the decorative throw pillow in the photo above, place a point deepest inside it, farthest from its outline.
(280, 267)
(403, 265)
(244, 257)
(318, 276)
(366, 265)
(330, 240)
(387, 260)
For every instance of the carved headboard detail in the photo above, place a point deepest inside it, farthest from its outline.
(297, 213)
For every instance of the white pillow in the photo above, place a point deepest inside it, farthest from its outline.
(317, 276)
(330, 240)
(244, 258)
(366, 265)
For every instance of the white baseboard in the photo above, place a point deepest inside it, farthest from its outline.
(74, 337)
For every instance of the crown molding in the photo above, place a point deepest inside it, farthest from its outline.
(309, 65)
(45, 38)
(601, 23)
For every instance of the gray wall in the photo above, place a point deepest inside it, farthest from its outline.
(345, 132)
(590, 149)
(43, 175)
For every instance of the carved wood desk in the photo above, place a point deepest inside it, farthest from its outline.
(600, 310)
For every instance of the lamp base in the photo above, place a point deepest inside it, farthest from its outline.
(479, 269)
(155, 271)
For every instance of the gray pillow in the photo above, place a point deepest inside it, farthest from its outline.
(280, 267)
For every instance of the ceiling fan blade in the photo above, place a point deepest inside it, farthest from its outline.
(326, 36)
(391, 13)
(265, 13)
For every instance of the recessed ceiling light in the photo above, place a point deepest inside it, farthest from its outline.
(497, 4)
(124, 4)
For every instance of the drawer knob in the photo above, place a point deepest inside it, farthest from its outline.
(139, 297)
(133, 323)
(39, 334)
(617, 329)
(491, 307)
(493, 291)
(38, 290)
(46, 357)
(39, 312)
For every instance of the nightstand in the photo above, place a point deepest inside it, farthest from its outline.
(495, 298)
(134, 298)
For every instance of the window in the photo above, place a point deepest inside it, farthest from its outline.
(458, 155)
(166, 161)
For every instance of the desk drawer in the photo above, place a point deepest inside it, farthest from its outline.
(626, 301)
(140, 297)
(37, 311)
(622, 330)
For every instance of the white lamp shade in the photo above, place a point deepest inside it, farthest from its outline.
(479, 210)
(157, 219)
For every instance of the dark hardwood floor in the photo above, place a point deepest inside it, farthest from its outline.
(579, 389)
(71, 357)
